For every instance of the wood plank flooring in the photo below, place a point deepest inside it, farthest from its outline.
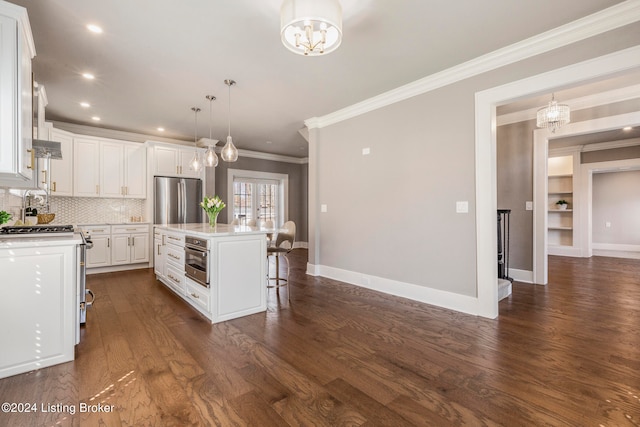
(567, 354)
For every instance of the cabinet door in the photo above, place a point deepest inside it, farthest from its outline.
(86, 166)
(61, 170)
(100, 254)
(17, 164)
(158, 257)
(166, 161)
(135, 171)
(186, 156)
(139, 250)
(120, 251)
(111, 170)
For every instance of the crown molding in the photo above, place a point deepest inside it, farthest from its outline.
(605, 20)
(589, 101)
(272, 157)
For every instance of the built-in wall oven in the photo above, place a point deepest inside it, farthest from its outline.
(196, 260)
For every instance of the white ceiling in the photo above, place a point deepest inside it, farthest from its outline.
(158, 58)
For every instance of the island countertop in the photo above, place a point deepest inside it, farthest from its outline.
(204, 230)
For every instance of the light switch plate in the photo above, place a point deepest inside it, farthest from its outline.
(323, 208)
(462, 207)
(366, 151)
(528, 206)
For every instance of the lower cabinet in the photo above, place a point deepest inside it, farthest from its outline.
(117, 245)
(38, 308)
(130, 244)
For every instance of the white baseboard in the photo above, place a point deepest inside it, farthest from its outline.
(616, 250)
(564, 251)
(449, 300)
(113, 268)
(524, 276)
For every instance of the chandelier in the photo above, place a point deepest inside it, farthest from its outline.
(553, 115)
(311, 27)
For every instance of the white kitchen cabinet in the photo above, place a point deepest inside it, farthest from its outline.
(38, 308)
(159, 253)
(17, 162)
(173, 160)
(123, 170)
(86, 167)
(61, 170)
(130, 244)
(100, 254)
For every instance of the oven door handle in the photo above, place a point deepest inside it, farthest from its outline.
(196, 251)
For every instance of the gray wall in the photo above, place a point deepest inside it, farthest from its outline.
(616, 199)
(392, 214)
(298, 176)
(514, 153)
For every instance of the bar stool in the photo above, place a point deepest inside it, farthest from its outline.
(284, 245)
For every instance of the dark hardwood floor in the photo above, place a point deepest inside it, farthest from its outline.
(567, 354)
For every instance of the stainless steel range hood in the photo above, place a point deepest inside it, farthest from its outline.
(47, 149)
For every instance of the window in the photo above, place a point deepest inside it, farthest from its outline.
(259, 196)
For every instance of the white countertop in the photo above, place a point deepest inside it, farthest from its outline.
(39, 241)
(204, 230)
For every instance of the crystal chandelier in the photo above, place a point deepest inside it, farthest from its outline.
(195, 163)
(210, 156)
(229, 152)
(553, 115)
(311, 27)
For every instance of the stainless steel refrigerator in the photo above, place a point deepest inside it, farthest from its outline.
(177, 200)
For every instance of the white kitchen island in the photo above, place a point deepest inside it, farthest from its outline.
(38, 302)
(236, 263)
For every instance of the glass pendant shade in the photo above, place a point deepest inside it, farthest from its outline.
(229, 152)
(311, 27)
(553, 115)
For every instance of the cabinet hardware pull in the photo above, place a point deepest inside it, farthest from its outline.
(195, 296)
(33, 158)
(158, 249)
(173, 256)
(131, 229)
(53, 186)
(44, 173)
(97, 189)
(163, 240)
(108, 242)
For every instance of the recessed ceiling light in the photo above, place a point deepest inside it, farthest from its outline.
(161, 129)
(94, 28)
(88, 76)
(85, 104)
(95, 118)
(628, 128)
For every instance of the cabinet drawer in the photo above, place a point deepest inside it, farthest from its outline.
(175, 256)
(175, 278)
(198, 295)
(175, 239)
(96, 230)
(128, 229)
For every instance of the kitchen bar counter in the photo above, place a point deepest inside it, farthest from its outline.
(205, 230)
(234, 263)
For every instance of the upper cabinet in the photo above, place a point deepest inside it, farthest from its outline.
(61, 170)
(109, 168)
(17, 162)
(173, 160)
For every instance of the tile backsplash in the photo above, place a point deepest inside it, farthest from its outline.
(80, 210)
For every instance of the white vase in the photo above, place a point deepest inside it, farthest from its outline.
(562, 207)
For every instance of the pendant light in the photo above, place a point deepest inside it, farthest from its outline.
(210, 156)
(553, 115)
(229, 152)
(196, 164)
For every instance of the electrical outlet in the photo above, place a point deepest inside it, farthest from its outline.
(528, 206)
(462, 207)
(323, 208)
(607, 224)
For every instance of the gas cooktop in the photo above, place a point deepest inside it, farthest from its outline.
(31, 230)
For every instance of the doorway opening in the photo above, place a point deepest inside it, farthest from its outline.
(258, 196)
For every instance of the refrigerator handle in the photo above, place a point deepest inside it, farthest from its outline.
(181, 202)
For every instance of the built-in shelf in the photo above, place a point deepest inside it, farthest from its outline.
(561, 186)
(560, 210)
(559, 192)
(560, 228)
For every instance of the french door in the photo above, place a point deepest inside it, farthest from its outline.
(256, 200)
(259, 196)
